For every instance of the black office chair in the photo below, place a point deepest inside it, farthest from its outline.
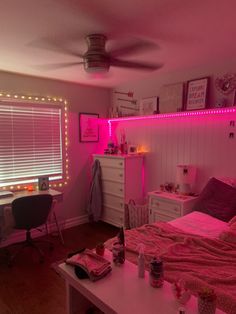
(31, 212)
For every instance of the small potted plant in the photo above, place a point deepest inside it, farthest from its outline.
(206, 301)
(100, 249)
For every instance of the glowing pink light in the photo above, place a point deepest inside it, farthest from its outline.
(171, 115)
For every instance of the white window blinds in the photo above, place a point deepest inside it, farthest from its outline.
(30, 142)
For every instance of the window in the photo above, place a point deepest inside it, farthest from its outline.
(31, 142)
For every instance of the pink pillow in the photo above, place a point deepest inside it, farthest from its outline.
(232, 221)
(228, 236)
(217, 199)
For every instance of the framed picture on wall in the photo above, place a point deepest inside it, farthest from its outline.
(197, 91)
(88, 127)
(149, 106)
(171, 98)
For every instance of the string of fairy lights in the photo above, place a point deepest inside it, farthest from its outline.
(40, 100)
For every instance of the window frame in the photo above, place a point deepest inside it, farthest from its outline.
(40, 102)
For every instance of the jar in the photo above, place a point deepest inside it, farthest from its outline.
(156, 279)
(118, 253)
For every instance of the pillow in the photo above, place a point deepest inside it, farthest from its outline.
(217, 199)
(232, 221)
(227, 180)
(228, 236)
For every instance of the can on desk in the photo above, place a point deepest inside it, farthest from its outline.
(156, 278)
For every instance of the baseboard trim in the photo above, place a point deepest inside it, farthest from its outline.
(19, 236)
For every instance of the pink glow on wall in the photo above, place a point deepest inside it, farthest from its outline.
(200, 138)
(177, 114)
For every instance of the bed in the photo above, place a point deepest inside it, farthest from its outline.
(195, 248)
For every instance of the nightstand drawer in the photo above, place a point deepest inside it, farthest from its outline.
(111, 162)
(156, 216)
(113, 174)
(165, 207)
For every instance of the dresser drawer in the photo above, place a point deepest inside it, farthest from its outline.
(167, 207)
(114, 202)
(115, 188)
(113, 216)
(113, 174)
(111, 162)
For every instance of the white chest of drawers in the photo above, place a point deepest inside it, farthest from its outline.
(121, 181)
(165, 206)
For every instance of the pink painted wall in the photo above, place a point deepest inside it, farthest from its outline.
(200, 141)
(80, 99)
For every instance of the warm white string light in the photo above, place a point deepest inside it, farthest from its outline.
(6, 96)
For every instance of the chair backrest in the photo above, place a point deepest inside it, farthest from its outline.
(31, 211)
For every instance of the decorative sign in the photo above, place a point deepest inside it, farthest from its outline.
(88, 125)
(171, 98)
(197, 94)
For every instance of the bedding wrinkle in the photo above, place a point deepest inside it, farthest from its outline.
(199, 261)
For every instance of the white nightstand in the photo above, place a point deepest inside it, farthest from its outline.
(165, 206)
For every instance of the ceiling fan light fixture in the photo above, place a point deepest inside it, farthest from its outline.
(96, 67)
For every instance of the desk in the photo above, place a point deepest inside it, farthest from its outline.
(7, 201)
(121, 291)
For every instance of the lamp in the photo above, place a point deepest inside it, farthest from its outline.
(185, 178)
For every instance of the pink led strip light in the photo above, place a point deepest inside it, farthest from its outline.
(177, 114)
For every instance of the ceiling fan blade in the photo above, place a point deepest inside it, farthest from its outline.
(135, 65)
(52, 44)
(136, 47)
(55, 66)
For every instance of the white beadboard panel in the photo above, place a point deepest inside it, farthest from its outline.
(200, 141)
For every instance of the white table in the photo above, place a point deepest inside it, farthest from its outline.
(7, 201)
(121, 292)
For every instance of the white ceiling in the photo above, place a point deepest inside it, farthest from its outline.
(187, 32)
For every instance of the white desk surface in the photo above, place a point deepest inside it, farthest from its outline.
(8, 200)
(123, 292)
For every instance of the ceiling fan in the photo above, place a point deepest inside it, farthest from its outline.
(97, 59)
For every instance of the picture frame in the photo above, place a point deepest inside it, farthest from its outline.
(132, 149)
(43, 183)
(149, 106)
(171, 98)
(197, 93)
(88, 127)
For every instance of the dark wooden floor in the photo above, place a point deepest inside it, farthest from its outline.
(33, 288)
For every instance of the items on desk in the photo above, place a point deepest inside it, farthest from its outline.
(95, 266)
(30, 188)
(43, 183)
(5, 194)
(118, 249)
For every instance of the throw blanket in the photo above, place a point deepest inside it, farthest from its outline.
(199, 261)
(94, 265)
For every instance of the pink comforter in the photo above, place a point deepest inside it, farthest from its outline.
(199, 261)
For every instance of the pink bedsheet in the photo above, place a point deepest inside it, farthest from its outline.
(199, 261)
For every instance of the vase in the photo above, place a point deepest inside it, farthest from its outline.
(206, 306)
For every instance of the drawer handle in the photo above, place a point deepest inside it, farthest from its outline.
(121, 190)
(121, 175)
(156, 203)
(176, 209)
(121, 204)
(121, 163)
